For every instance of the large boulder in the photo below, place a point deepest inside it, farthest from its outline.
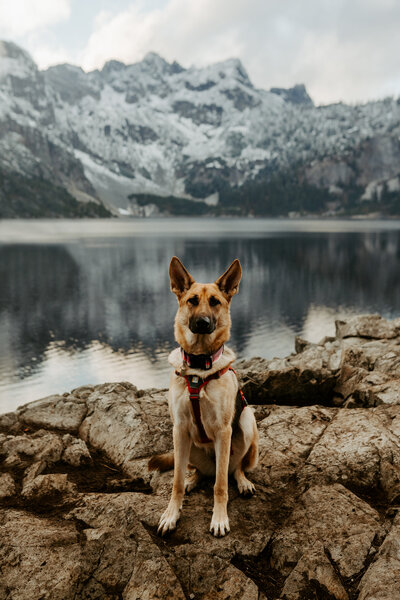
(56, 412)
(128, 425)
(369, 327)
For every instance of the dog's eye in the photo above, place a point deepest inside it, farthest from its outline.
(194, 300)
(214, 301)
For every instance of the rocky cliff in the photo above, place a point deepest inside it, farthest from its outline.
(79, 510)
(144, 137)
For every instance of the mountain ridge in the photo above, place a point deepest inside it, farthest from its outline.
(154, 129)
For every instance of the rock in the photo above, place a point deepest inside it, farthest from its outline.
(304, 378)
(368, 326)
(359, 450)
(83, 391)
(108, 558)
(192, 551)
(7, 421)
(39, 558)
(361, 367)
(233, 585)
(380, 355)
(369, 374)
(42, 445)
(287, 435)
(33, 471)
(345, 525)
(76, 452)
(54, 412)
(382, 579)
(127, 426)
(53, 488)
(7, 486)
(314, 570)
(152, 576)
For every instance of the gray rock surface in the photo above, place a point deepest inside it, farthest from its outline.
(382, 580)
(79, 509)
(55, 412)
(360, 367)
(7, 486)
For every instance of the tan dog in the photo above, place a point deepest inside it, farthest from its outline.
(213, 442)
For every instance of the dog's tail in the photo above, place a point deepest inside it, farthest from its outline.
(161, 462)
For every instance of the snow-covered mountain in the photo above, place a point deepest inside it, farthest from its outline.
(155, 128)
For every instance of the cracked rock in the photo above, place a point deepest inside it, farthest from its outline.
(382, 579)
(125, 426)
(7, 486)
(345, 525)
(303, 378)
(53, 488)
(233, 585)
(54, 412)
(287, 436)
(76, 452)
(359, 450)
(38, 557)
(314, 571)
(42, 445)
(368, 326)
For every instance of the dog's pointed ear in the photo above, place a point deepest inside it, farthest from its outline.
(181, 280)
(228, 283)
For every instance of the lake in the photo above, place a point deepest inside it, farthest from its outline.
(89, 301)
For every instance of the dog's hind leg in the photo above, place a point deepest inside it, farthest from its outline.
(193, 476)
(250, 458)
(245, 487)
(182, 445)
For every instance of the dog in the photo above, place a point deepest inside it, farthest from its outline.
(214, 431)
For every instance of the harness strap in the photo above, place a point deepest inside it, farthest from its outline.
(195, 384)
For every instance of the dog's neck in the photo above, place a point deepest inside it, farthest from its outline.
(201, 361)
(226, 359)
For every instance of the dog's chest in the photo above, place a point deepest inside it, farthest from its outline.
(215, 408)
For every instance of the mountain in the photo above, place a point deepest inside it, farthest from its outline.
(155, 137)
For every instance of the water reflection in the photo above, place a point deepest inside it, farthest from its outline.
(82, 312)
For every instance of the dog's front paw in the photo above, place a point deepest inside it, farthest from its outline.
(219, 525)
(168, 520)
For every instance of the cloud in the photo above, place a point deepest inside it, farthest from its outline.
(201, 32)
(47, 55)
(342, 50)
(19, 17)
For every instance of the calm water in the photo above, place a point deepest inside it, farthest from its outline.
(89, 301)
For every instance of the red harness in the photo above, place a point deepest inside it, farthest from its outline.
(195, 384)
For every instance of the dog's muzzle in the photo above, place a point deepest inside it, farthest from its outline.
(202, 324)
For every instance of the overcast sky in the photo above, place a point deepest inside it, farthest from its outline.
(340, 49)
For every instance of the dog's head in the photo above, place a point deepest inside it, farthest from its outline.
(202, 323)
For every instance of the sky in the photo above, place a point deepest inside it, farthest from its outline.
(342, 50)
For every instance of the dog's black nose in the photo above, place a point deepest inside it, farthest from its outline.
(202, 324)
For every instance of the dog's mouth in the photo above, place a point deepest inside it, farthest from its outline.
(202, 325)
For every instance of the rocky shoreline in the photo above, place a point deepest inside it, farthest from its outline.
(79, 510)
